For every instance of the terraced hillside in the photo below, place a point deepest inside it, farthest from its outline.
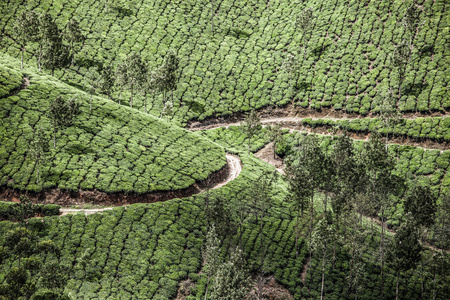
(345, 67)
(111, 149)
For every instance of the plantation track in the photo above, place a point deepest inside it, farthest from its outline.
(293, 123)
(234, 169)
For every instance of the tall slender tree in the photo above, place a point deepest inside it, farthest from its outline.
(171, 63)
(404, 250)
(381, 183)
(25, 30)
(304, 22)
(275, 135)
(300, 191)
(94, 79)
(389, 114)
(399, 59)
(261, 201)
(251, 125)
(323, 236)
(107, 80)
(73, 35)
(39, 149)
(136, 73)
(121, 77)
(233, 280)
(62, 113)
(290, 64)
(411, 21)
(211, 255)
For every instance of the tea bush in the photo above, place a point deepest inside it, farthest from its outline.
(111, 149)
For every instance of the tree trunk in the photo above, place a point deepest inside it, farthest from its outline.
(261, 237)
(212, 16)
(396, 289)
(381, 251)
(274, 149)
(249, 140)
(106, 5)
(171, 96)
(120, 94)
(53, 71)
(21, 63)
(207, 285)
(323, 276)
(37, 172)
(131, 99)
(90, 103)
(296, 235)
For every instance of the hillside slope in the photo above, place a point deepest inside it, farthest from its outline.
(111, 149)
(346, 64)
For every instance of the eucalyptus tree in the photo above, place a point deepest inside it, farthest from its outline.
(442, 225)
(261, 201)
(323, 236)
(158, 82)
(107, 80)
(39, 149)
(304, 22)
(62, 113)
(251, 125)
(300, 191)
(171, 65)
(73, 35)
(399, 59)
(25, 29)
(420, 204)
(232, 280)
(411, 21)
(121, 77)
(132, 73)
(389, 113)
(290, 64)
(211, 255)
(94, 79)
(381, 182)
(55, 54)
(275, 135)
(404, 250)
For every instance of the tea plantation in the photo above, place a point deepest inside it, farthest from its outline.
(111, 149)
(346, 65)
(305, 229)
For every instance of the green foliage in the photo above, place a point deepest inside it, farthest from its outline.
(348, 44)
(113, 149)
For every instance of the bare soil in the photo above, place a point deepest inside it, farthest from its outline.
(298, 113)
(267, 154)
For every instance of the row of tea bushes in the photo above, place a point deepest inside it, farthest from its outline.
(239, 66)
(111, 149)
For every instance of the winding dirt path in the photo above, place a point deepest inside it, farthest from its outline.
(295, 124)
(234, 169)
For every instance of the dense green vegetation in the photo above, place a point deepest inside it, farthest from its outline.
(428, 167)
(93, 125)
(434, 128)
(111, 149)
(240, 66)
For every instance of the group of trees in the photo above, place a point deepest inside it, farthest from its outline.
(134, 74)
(228, 273)
(56, 47)
(358, 183)
(35, 272)
(62, 113)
